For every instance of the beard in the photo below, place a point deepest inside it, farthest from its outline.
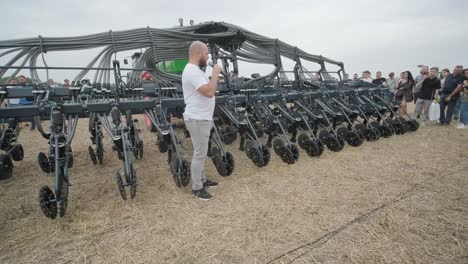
(202, 62)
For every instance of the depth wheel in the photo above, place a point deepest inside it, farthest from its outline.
(162, 145)
(257, 156)
(314, 148)
(333, 144)
(370, 134)
(185, 169)
(386, 131)
(303, 141)
(120, 185)
(342, 132)
(354, 139)
(230, 164)
(294, 151)
(399, 128)
(323, 135)
(44, 163)
(18, 152)
(412, 125)
(286, 155)
(133, 184)
(47, 202)
(265, 154)
(92, 156)
(278, 145)
(218, 160)
(63, 202)
(6, 166)
(138, 150)
(360, 128)
(100, 151)
(180, 172)
(70, 157)
(248, 145)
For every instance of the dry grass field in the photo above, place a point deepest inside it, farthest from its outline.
(398, 200)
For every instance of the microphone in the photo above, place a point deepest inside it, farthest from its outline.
(212, 65)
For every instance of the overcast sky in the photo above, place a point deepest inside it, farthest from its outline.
(393, 35)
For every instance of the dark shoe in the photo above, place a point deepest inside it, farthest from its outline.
(202, 194)
(210, 184)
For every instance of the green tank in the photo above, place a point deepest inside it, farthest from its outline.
(175, 66)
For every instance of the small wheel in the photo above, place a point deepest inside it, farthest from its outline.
(386, 131)
(278, 145)
(341, 140)
(230, 164)
(376, 127)
(295, 151)
(333, 144)
(265, 154)
(70, 157)
(162, 145)
(303, 141)
(360, 130)
(286, 155)
(92, 156)
(354, 139)
(218, 161)
(63, 202)
(138, 150)
(185, 171)
(342, 132)
(44, 163)
(174, 165)
(256, 156)
(399, 128)
(100, 152)
(314, 148)
(47, 202)
(248, 145)
(6, 166)
(133, 184)
(320, 145)
(323, 135)
(120, 185)
(370, 134)
(412, 125)
(18, 153)
(180, 172)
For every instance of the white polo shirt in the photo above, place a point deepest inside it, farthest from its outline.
(197, 106)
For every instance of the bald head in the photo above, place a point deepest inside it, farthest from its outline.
(198, 53)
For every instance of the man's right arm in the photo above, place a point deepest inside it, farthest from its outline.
(209, 89)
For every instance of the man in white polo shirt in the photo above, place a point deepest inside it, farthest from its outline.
(199, 97)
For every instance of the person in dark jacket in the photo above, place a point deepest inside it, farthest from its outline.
(450, 93)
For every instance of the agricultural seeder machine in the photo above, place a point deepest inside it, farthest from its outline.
(278, 113)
